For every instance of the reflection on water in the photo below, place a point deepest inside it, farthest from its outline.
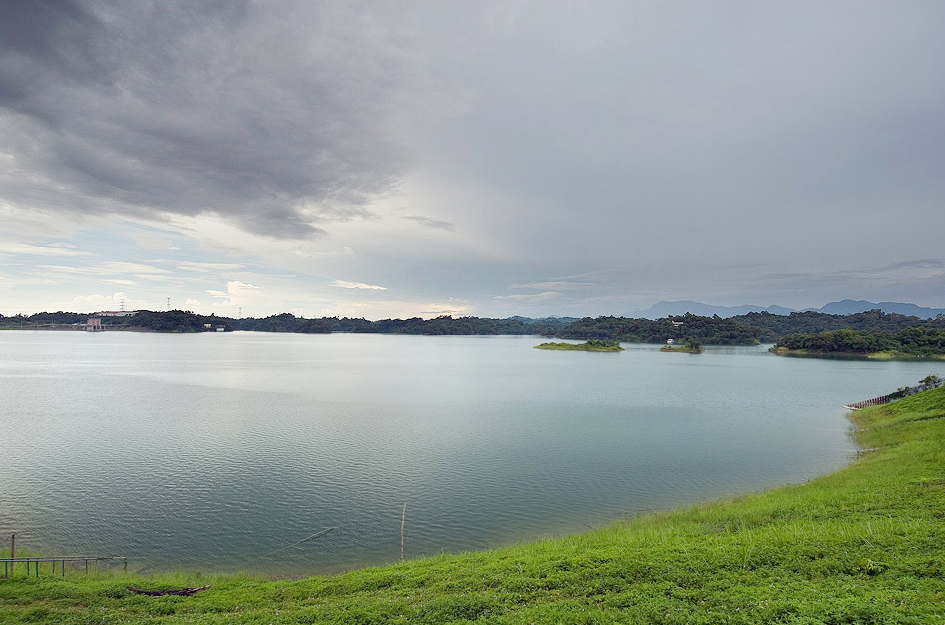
(229, 451)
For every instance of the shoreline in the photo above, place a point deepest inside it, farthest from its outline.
(879, 356)
(593, 345)
(682, 350)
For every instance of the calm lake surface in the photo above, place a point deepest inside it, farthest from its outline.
(224, 451)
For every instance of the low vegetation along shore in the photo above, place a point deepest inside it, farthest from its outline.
(593, 345)
(863, 545)
(693, 346)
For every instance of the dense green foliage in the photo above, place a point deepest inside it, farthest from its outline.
(171, 321)
(915, 342)
(442, 325)
(43, 319)
(749, 329)
(811, 322)
(863, 545)
(708, 330)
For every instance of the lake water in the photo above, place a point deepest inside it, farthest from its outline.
(224, 451)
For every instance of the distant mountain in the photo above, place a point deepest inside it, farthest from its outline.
(845, 307)
(849, 306)
(667, 309)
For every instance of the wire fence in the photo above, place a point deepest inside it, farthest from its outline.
(32, 564)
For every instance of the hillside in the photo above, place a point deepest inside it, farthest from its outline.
(843, 307)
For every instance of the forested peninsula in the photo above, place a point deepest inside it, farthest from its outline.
(908, 343)
(888, 331)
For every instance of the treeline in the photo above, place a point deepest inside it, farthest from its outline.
(170, 321)
(43, 319)
(812, 322)
(749, 329)
(142, 320)
(908, 341)
(185, 321)
(443, 325)
(707, 330)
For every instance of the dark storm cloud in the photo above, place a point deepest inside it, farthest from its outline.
(276, 118)
(599, 156)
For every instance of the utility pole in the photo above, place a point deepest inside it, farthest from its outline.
(168, 304)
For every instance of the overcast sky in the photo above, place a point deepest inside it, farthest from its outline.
(391, 159)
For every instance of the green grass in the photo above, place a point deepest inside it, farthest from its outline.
(682, 349)
(892, 354)
(863, 545)
(593, 345)
(889, 354)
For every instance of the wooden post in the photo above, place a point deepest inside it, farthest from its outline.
(403, 517)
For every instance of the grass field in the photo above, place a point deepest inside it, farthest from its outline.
(863, 545)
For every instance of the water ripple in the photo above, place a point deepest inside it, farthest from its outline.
(225, 451)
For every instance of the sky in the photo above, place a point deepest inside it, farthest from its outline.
(489, 158)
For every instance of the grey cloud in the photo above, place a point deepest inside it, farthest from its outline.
(739, 131)
(913, 269)
(558, 285)
(275, 116)
(538, 297)
(918, 280)
(41, 250)
(427, 222)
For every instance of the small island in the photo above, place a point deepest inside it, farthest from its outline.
(693, 346)
(592, 345)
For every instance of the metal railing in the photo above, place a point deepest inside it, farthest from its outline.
(930, 383)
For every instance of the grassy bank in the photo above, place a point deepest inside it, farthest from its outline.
(863, 545)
